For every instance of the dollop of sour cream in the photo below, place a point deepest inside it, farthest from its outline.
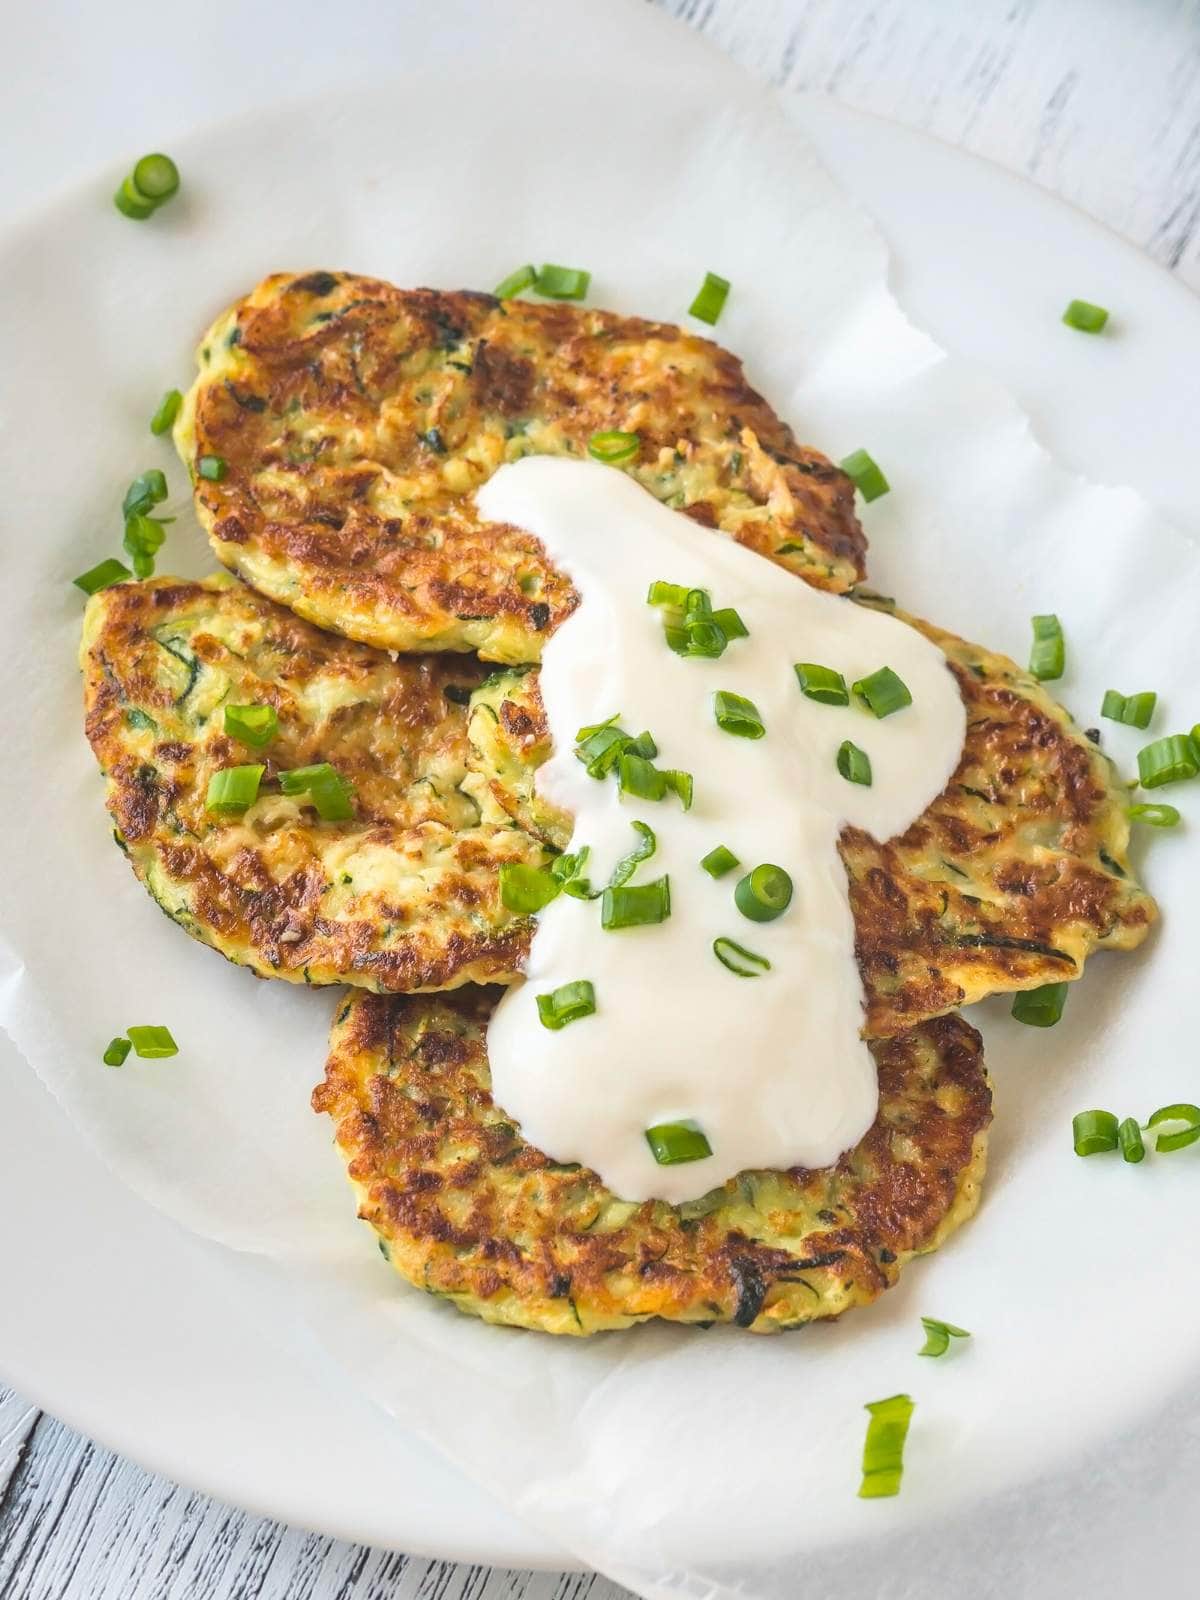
(772, 1068)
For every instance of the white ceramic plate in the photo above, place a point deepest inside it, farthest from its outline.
(184, 1356)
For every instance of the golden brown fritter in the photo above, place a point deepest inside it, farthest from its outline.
(1009, 880)
(356, 419)
(464, 1208)
(403, 896)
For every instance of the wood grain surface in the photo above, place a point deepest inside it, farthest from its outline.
(1098, 100)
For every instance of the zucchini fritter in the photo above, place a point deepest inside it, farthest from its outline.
(1009, 880)
(464, 1208)
(403, 896)
(356, 419)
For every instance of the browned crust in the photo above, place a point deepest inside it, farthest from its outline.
(468, 1210)
(356, 420)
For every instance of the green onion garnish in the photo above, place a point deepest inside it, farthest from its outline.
(1094, 1132)
(1168, 760)
(1129, 1138)
(1040, 1008)
(679, 783)
(938, 1336)
(868, 478)
(146, 491)
(822, 684)
(213, 468)
(117, 1050)
(562, 283)
(613, 447)
(233, 789)
(719, 861)
(143, 540)
(255, 725)
(168, 410)
(737, 715)
(730, 623)
(567, 1004)
(636, 905)
(674, 1142)
(883, 1452)
(764, 894)
(102, 576)
(1048, 657)
(710, 299)
(130, 203)
(325, 787)
(526, 889)
(639, 777)
(690, 625)
(152, 1043)
(1086, 317)
(745, 963)
(662, 593)
(1157, 816)
(523, 278)
(642, 851)
(1181, 1112)
(854, 764)
(567, 870)
(1135, 710)
(883, 692)
(156, 178)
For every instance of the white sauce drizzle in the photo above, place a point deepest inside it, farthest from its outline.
(771, 1068)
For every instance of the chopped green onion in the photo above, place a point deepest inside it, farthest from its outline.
(1134, 710)
(567, 870)
(212, 468)
(1048, 657)
(644, 745)
(325, 787)
(1181, 1112)
(143, 539)
(1168, 760)
(639, 777)
(883, 692)
(156, 178)
(854, 764)
(1040, 1008)
(642, 851)
(822, 684)
(737, 715)
(679, 783)
(130, 203)
(938, 1336)
(883, 1451)
(255, 725)
(730, 623)
(614, 447)
(636, 905)
(526, 889)
(745, 963)
(117, 1050)
(233, 789)
(152, 1043)
(602, 749)
(675, 1142)
(1094, 1132)
(719, 861)
(523, 278)
(1156, 816)
(562, 283)
(868, 478)
(1129, 1138)
(168, 410)
(710, 299)
(567, 1004)
(1084, 316)
(662, 593)
(102, 576)
(146, 490)
(764, 894)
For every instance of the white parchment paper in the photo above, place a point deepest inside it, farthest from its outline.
(680, 1462)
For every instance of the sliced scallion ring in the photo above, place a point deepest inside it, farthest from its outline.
(1183, 1112)
(233, 789)
(1134, 710)
(328, 792)
(212, 468)
(854, 764)
(1170, 760)
(1094, 1132)
(1129, 1138)
(614, 447)
(719, 861)
(866, 473)
(525, 889)
(1048, 657)
(523, 278)
(642, 851)
(1157, 816)
(636, 905)
(822, 684)
(152, 1043)
(674, 1142)
(737, 715)
(168, 409)
(1041, 1007)
(145, 492)
(745, 963)
(883, 692)
(883, 1451)
(116, 1052)
(102, 576)
(255, 725)
(763, 894)
(938, 1336)
(566, 1004)
(156, 178)
(1085, 317)
(562, 283)
(710, 299)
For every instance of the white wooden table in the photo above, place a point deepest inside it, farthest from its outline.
(1098, 100)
